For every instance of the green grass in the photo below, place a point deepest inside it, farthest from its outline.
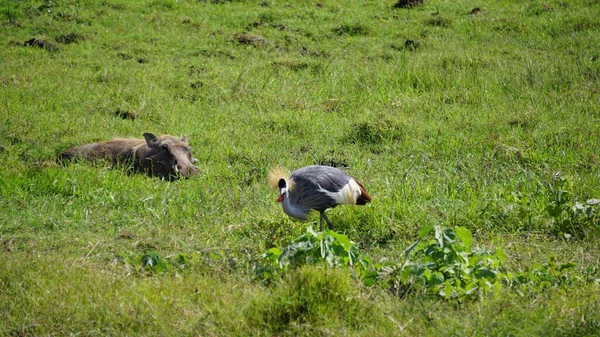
(466, 127)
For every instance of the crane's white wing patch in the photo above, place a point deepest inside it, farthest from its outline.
(347, 195)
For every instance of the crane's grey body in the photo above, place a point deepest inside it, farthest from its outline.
(307, 192)
(319, 188)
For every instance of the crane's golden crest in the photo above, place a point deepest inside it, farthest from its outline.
(277, 173)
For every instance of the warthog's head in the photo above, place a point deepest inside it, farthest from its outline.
(169, 157)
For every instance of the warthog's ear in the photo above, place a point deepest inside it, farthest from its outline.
(151, 140)
(184, 139)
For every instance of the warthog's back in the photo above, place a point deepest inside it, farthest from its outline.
(119, 149)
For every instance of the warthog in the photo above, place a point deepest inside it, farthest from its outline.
(165, 156)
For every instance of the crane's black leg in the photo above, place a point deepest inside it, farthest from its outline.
(326, 219)
(321, 222)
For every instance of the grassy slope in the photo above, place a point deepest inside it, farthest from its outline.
(488, 105)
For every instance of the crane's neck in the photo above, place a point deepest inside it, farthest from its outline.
(293, 209)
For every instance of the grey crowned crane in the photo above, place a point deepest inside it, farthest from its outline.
(315, 188)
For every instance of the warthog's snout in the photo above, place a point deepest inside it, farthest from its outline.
(186, 171)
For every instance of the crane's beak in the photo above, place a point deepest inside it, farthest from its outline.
(282, 193)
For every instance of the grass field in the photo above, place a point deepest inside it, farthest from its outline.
(485, 121)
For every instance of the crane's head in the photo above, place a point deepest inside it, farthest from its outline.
(283, 189)
(279, 180)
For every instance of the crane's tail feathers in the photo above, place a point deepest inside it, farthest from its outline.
(364, 197)
(275, 174)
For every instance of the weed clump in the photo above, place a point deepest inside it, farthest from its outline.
(126, 114)
(292, 65)
(438, 22)
(375, 132)
(69, 38)
(475, 11)
(570, 218)
(310, 296)
(412, 44)
(352, 30)
(408, 3)
(250, 39)
(39, 43)
(445, 266)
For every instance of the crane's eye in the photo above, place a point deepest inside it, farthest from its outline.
(281, 183)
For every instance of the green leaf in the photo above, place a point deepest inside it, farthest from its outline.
(406, 273)
(425, 230)
(342, 239)
(436, 278)
(325, 247)
(497, 288)
(150, 260)
(181, 259)
(273, 252)
(522, 278)
(449, 236)
(411, 247)
(589, 212)
(386, 271)
(153, 262)
(310, 231)
(369, 278)
(418, 269)
(500, 254)
(471, 289)
(486, 273)
(554, 209)
(296, 250)
(565, 266)
(593, 201)
(562, 196)
(439, 236)
(427, 274)
(447, 290)
(465, 236)
(272, 255)
(578, 207)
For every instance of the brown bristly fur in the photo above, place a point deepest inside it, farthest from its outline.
(276, 173)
